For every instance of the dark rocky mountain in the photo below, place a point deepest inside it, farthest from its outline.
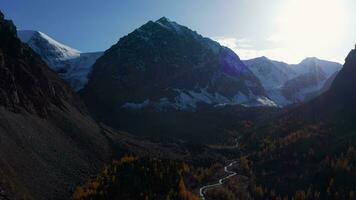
(48, 143)
(166, 66)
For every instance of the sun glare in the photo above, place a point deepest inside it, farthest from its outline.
(304, 27)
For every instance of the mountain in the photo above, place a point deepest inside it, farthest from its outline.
(312, 78)
(71, 65)
(311, 145)
(272, 74)
(164, 64)
(313, 64)
(299, 88)
(48, 142)
(287, 84)
(52, 51)
(161, 71)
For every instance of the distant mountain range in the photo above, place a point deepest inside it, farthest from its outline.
(283, 83)
(289, 84)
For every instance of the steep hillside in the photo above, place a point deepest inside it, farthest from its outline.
(48, 142)
(309, 151)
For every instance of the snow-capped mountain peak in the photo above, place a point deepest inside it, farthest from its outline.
(269, 73)
(46, 45)
(72, 65)
(313, 63)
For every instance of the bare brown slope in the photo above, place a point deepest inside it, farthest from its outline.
(48, 144)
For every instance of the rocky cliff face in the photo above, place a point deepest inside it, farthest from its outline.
(342, 92)
(47, 142)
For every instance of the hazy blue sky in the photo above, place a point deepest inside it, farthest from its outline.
(281, 29)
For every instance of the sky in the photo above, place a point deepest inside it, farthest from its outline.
(285, 30)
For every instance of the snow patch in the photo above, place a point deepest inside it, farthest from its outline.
(189, 100)
(264, 101)
(45, 45)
